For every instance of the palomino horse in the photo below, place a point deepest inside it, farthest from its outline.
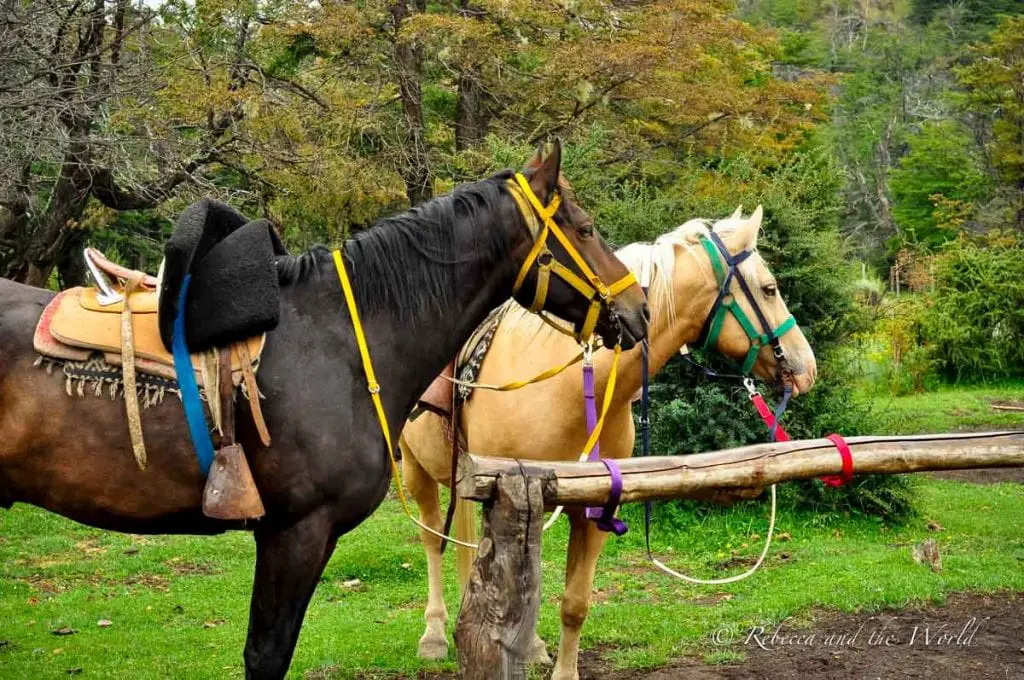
(545, 421)
(423, 281)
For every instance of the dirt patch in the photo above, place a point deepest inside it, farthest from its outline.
(182, 567)
(709, 600)
(90, 546)
(57, 585)
(150, 581)
(973, 636)
(985, 476)
(980, 637)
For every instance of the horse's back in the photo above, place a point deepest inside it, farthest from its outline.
(543, 421)
(20, 308)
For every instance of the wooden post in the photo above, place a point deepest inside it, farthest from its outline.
(498, 618)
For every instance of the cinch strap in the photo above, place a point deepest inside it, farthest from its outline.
(190, 399)
(844, 452)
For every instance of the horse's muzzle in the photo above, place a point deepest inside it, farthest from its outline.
(626, 328)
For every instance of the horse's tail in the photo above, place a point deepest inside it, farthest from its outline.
(465, 530)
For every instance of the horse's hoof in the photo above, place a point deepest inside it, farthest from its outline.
(433, 649)
(539, 654)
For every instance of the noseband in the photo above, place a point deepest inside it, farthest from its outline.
(726, 268)
(540, 221)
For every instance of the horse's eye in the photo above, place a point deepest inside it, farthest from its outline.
(587, 231)
(771, 290)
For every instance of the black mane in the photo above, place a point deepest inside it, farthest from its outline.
(403, 264)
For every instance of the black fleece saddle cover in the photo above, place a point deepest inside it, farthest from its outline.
(234, 291)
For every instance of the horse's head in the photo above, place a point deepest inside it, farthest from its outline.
(749, 321)
(567, 268)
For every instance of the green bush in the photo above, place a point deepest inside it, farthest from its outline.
(896, 347)
(691, 414)
(974, 320)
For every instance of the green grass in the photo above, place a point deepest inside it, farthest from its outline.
(952, 408)
(178, 605)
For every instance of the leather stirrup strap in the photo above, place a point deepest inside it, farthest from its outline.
(254, 393)
(131, 395)
(209, 361)
(227, 402)
(449, 515)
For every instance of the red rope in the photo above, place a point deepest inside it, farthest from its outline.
(768, 417)
(844, 452)
(782, 436)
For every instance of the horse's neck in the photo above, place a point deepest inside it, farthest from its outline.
(692, 297)
(421, 347)
(409, 353)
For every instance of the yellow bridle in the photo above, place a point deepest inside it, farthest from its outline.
(540, 220)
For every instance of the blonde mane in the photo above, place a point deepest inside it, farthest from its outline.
(654, 263)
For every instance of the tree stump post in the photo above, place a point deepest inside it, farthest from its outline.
(498, 619)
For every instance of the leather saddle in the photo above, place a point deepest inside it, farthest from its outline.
(76, 324)
(438, 397)
(120, 319)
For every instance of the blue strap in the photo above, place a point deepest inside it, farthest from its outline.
(779, 410)
(645, 426)
(190, 399)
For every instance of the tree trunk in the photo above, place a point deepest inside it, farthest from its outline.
(409, 60)
(1019, 200)
(54, 233)
(884, 210)
(70, 262)
(471, 115)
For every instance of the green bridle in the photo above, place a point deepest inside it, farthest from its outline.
(726, 268)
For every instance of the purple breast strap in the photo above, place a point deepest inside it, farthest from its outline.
(604, 516)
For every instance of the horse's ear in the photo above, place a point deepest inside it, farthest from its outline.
(738, 214)
(749, 229)
(538, 158)
(544, 180)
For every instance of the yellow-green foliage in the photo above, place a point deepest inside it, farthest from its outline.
(975, 317)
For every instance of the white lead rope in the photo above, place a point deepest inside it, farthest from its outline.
(729, 579)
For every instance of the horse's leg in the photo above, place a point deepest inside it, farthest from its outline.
(424, 490)
(289, 562)
(585, 544)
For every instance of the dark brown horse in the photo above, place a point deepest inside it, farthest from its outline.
(423, 281)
